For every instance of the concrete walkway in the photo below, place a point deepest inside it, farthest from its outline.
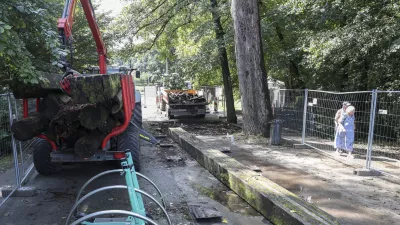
(320, 180)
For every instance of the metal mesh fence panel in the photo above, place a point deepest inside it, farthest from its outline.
(288, 107)
(320, 124)
(386, 134)
(23, 147)
(8, 179)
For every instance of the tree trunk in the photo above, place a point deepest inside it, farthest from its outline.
(93, 116)
(294, 80)
(28, 128)
(226, 75)
(87, 145)
(257, 110)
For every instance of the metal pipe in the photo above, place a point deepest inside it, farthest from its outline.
(154, 185)
(116, 171)
(19, 143)
(303, 132)
(115, 187)
(371, 129)
(333, 92)
(153, 199)
(14, 146)
(90, 194)
(120, 212)
(94, 178)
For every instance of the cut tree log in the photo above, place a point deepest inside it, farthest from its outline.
(73, 138)
(93, 116)
(107, 125)
(51, 104)
(94, 88)
(28, 128)
(117, 103)
(119, 116)
(67, 120)
(87, 145)
(50, 83)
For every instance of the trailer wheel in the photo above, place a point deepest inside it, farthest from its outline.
(42, 160)
(137, 115)
(130, 140)
(168, 114)
(163, 105)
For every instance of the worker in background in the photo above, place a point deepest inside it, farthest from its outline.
(338, 116)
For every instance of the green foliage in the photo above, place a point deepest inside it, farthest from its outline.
(181, 32)
(85, 53)
(28, 38)
(336, 45)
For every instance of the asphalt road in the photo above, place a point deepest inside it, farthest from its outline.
(183, 183)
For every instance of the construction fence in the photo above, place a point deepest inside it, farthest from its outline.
(307, 116)
(15, 156)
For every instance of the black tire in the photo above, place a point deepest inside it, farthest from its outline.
(42, 159)
(201, 116)
(168, 113)
(130, 140)
(163, 105)
(137, 115)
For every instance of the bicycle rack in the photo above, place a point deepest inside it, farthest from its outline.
(135, 217)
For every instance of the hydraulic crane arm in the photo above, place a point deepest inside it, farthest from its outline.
(65, 29)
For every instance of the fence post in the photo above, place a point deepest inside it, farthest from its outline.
(303, 133)
(14, 146)
(19, 143)
(371, 129)
(145, 97)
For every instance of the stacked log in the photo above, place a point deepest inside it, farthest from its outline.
(185, 98)
(81, 120)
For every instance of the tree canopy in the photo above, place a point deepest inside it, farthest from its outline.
(28, 38)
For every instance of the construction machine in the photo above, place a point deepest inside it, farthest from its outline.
(83, 118)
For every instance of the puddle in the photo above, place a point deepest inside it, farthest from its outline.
(229, 199)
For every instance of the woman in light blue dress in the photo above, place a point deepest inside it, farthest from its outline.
(344, 138)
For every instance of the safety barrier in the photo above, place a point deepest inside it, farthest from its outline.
(15, 156)
(308, 117)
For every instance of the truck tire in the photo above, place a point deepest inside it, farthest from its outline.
(168, 113)
(137, 115)
(130, 140)
(163, 105)
(42, 159)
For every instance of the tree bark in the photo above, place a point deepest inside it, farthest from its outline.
(87, 145)
(294, 80)
(28, 128)
(253, 83)
(93, 116)
(226, 75)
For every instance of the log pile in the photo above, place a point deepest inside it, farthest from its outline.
(185, 98)
(82, 119)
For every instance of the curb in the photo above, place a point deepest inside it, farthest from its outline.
(274, 202)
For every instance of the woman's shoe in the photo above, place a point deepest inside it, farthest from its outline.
(350, 156)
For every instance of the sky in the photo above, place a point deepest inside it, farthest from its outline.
(115, 6)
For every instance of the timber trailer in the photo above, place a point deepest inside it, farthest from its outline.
(122, 143)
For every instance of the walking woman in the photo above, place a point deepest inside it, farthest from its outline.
(344, 138)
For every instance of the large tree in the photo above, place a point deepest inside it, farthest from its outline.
(256, 106)
(223, 57)
(189, 34)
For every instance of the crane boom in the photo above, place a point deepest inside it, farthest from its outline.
(65, 30)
